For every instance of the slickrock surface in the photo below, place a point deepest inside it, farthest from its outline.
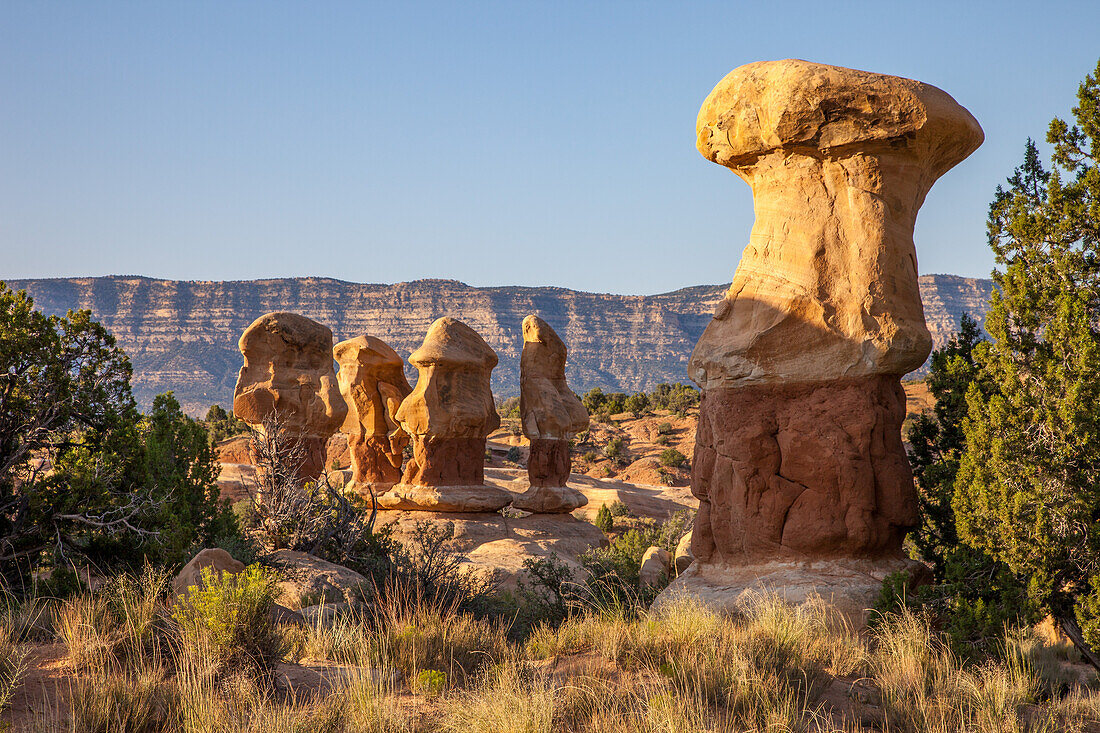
(288, 370)
(448, 414)
(373, 384)
(183, 335)
(799, 454)
(550, 415)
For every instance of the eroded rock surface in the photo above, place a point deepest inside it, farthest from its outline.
(799, 458)
(448, 415)
(551, 414)
(373, 384)
(288, 372)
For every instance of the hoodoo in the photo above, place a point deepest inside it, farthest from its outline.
(288, 374)
(550, 415)
(373, 384)
(799, 466)
(449, 414)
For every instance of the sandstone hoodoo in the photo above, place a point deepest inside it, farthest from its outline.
(550, 415)
(448, 415)
(799, 465)
(288, 375)
(373, 384)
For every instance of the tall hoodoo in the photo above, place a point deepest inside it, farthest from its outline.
(551, 415)
(373, 384)
(449, 414)
(288, 371)
(799, 454)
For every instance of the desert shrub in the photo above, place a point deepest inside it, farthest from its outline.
(618, 508)
(508, 408)
(637, 404)
(118, 625)
(672, 458)
(604, 520)
(220, 424)
(591, 456)
(429, 682)
(668, 478)
(615, 448)
(13, 665)
(661, 440)
(514, 454)
(225, 624)
(425, 571)
(678, 398)
(664, 428)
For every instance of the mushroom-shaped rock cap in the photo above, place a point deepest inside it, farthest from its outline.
(295, 340)
(367, 351)
(550, 349)
(450, 342)
(769, 105)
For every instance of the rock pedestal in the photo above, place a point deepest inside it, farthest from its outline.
(448, 415)
(799, 465)
(550, 415)
(288, 375)
(373, 384)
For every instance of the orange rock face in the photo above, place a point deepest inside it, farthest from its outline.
(288, 370)
(550, 415)
(448, 414)
(373, 384)
(799, 454)
(806, 470)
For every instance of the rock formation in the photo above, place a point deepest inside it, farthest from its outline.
(288, 373)
(373, 384)
(449, 414)
(550, 414)
(799, 466)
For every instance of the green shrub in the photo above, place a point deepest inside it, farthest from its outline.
(672, 458)
(603, 520)
(430, 682)
(664, 428)
(514, 454)
(614, 448)
(661, 440)
(618, 508)
(225, 624)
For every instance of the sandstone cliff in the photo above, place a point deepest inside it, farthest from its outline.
(182, 336)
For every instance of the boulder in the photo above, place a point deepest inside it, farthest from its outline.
(217, 559)
(551, 414)
(799, 465)
(683, 557)
(655, 568)
(448, 414)
(288, 372)
(309, 580)
(373, 384)
(495, 546)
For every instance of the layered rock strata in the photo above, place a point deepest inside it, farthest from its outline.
(288, 376)
(373, 384)
(448, 415)
(799, 457)
(550, 414)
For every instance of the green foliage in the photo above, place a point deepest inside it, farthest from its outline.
(637, 404)
(1028, 486)
(225, 624)
(430, 682)
(615, 448)
(514, 454)
(678, 398)
(618, 508)
(604, 521)
(220, 424)
(508, 408)
(664, 428)
(672, 458)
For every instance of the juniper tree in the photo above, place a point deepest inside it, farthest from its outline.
(1028, 486)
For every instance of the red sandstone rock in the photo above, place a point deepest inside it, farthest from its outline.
(550, 414)
(288, 370)
(448, 414)
(373, 384)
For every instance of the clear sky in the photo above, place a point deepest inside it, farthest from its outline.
(531, 143)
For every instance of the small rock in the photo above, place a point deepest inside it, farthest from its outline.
(216, 558)
(684, 558)
(656, 563)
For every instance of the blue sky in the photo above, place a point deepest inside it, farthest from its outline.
(530, 143)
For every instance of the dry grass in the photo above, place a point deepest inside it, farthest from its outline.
(683, 668)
